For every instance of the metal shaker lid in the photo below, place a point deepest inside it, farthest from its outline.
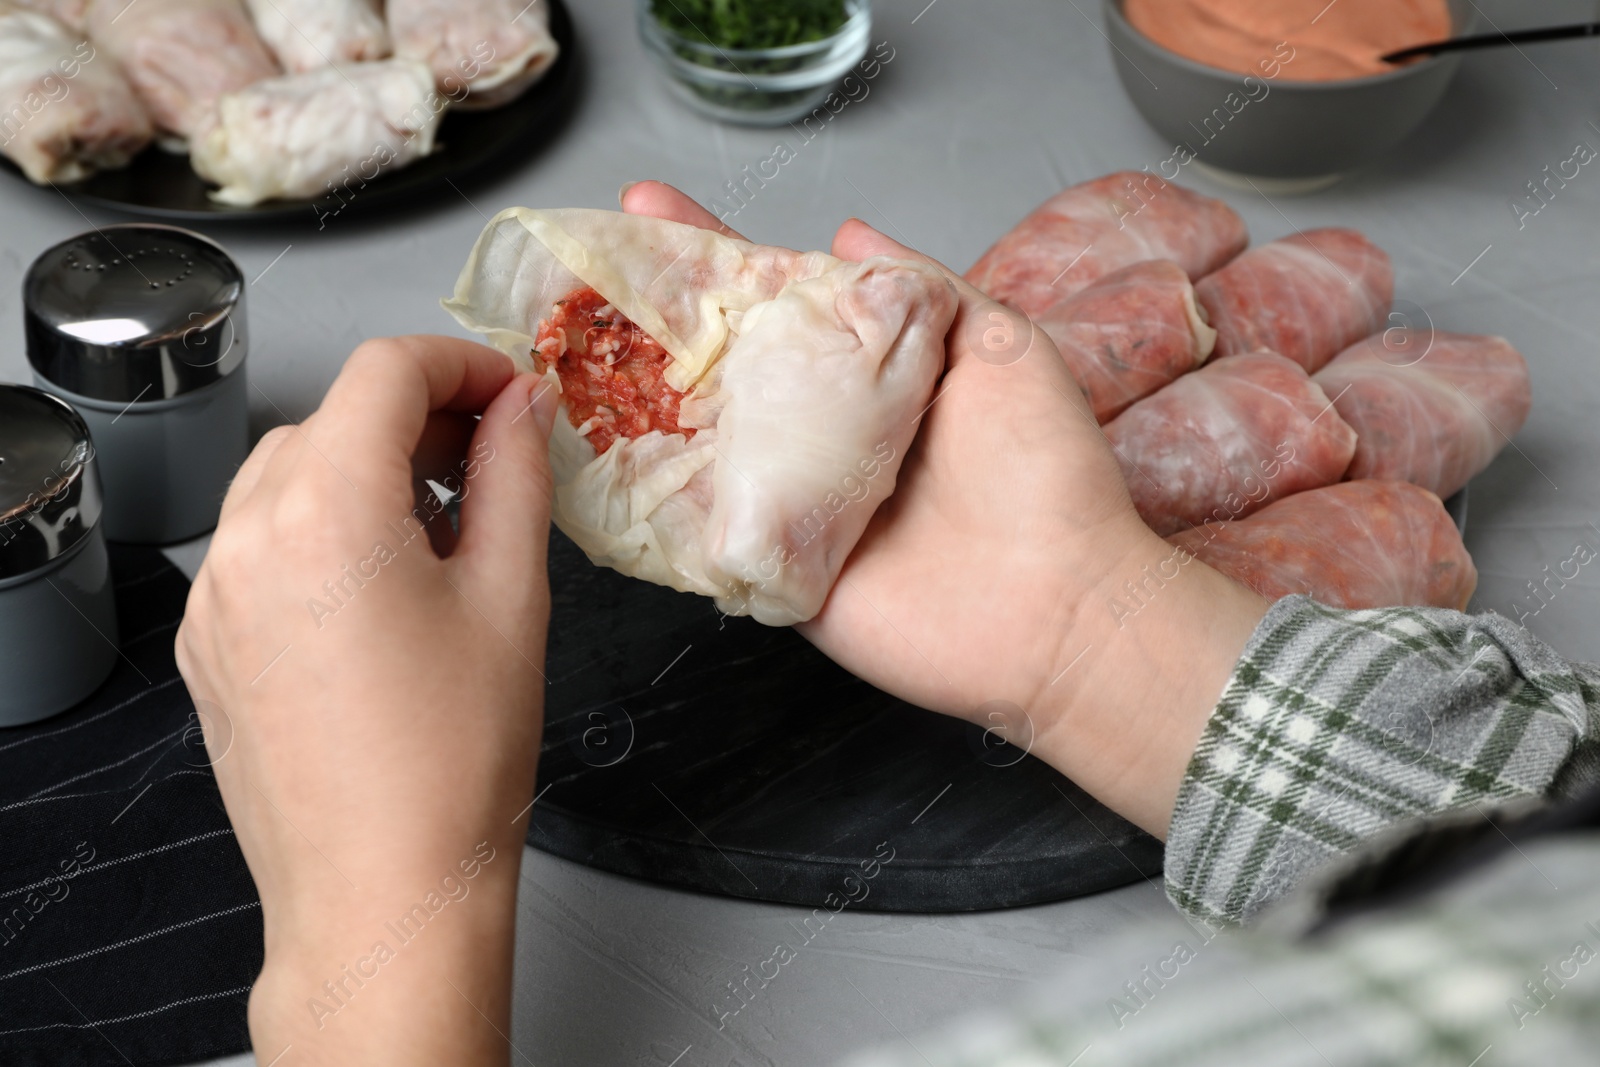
(49, 484)
(138, 312)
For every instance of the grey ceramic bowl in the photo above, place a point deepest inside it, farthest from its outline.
(1298, 131)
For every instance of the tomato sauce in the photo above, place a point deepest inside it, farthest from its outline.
(1323, 41)
(613, 374)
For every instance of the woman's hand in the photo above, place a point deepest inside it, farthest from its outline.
(993, 584)
(373, 695)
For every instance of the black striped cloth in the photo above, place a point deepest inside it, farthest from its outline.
(130, 930)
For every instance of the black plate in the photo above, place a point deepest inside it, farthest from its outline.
(725, 756)
(162, 185)
(734, 758)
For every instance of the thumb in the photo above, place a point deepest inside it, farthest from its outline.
(856, 240)
(505, 515)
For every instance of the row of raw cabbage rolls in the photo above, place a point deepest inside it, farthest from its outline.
(734, 413)
(1269, 415)
(271, 98)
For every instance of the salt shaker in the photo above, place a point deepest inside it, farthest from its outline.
(141, 328)
(58, 621)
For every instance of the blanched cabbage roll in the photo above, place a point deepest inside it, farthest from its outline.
(1087, 231)
(1306, 296)
(73, 14)
(484, 53)
(296, 135)
(1433, 419)
(181, 55)
(307, 34)
(1227, 440)
(65, 110)
(1129, 334)
(1365, 544)
(732, 414)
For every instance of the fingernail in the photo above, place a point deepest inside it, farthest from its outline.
(623, 192)
(544, 398)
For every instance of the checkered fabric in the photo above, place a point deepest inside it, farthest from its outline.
(1504, 968)
(1339, 724)
(1337, 728)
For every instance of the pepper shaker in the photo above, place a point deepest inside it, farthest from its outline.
(58, 620)
(141, 328)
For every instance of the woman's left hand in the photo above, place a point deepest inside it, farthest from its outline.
(372, 690)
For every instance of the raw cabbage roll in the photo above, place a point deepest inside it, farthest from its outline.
(1434, 421)
(65, 111)
(1087, 231)
(484, 53)
(732, 414)
(1129, 334)
(1365, 544)
(1307, 296)
(295, 136)
(1228, 440)
(307, 34)
(73, 14)
(181, 55)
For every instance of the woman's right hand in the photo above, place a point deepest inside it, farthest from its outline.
(984, 587)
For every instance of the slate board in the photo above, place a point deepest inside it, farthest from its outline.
(721, 755)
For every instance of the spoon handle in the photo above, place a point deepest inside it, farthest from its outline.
(1493, 40)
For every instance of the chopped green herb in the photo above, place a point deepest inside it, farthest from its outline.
(744, 24)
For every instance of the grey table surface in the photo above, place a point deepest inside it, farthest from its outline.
(984, 110)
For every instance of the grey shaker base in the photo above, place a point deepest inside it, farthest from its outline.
(166, 465)
(58, 635)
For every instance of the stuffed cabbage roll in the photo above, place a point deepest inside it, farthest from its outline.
(1434, 422)
(732, 414)
(1365, 544)
(1307, 296)
(65, 111)
(1129, 334)
(1088, 231)
(73, 14)
(307, 34)
(484, 53)
(1228, 440)
(181, 55)
(300, 134)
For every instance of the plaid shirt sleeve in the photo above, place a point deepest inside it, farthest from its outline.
(1339, 724)
(1335, 727)
(1503, 967)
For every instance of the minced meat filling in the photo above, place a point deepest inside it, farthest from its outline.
(613, 374)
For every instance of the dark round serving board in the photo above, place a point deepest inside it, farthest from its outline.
(162, 185)
(721, 755)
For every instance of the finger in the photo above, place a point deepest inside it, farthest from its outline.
(660, 200)
(250, 471)
(856, 241)
(372, 420)
(979, 317)
(505, 517)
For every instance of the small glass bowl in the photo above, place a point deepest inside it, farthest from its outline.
(757, 86)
